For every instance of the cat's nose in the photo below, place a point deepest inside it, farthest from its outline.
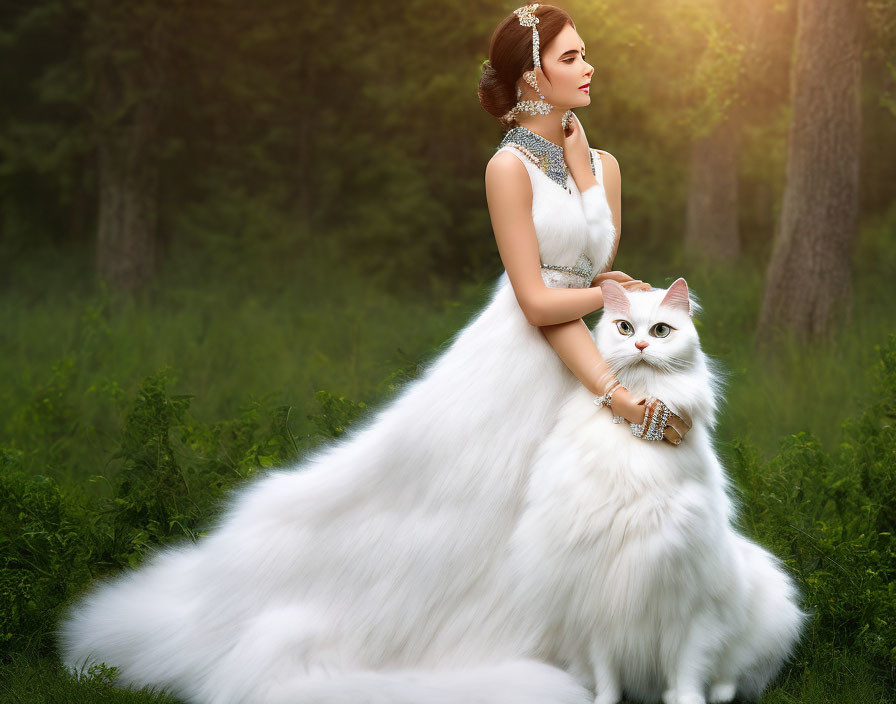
(641, 344)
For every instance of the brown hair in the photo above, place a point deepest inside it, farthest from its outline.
(510, 55)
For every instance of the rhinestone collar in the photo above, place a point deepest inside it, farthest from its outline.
(540, 151)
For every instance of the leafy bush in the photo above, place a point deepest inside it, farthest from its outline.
(172, 472)
(43, 545)
(831, 517)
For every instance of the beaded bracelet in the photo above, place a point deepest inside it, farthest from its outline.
(638, 429)
(607, 399)
(654, 423)
(608, 396)
(655, 431)
(655, 420)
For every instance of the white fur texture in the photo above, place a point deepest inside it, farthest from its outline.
(645, 585)
(378, 553)
(384, 551)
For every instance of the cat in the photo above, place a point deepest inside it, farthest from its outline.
(645, 585)
(330, 583)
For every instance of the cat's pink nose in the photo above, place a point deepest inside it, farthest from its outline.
(641, 344)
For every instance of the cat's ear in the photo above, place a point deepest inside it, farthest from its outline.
(615, 297)
(677, 296)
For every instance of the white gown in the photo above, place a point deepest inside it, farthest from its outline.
(380, 550)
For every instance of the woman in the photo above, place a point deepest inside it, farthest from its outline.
(383, 551)
(527, 227)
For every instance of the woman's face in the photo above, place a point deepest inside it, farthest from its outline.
(563, 65)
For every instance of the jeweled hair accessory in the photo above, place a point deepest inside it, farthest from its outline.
(527, 18)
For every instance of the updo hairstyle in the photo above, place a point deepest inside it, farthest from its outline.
(510, 55)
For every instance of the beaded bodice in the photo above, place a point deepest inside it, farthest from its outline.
(573, 248)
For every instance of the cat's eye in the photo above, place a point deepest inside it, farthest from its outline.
(624, 327)
(660, 330)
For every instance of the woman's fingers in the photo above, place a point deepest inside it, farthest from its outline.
(625, 280)
(619, 276)
(670, 434)
(675, 429)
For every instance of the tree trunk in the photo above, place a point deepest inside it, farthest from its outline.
(128, 188)
(130, 45)
(808, 283)
(711, 224)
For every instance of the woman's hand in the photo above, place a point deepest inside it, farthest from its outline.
(624, 403)
(622, 278)
(633, 409)
(679, 428)
(577, 153)
(676, 433)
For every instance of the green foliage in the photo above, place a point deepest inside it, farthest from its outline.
(336, 414)
(260, 122)
(48, 420)
(173, 471)
(24, 680)
(44, 540)
(832, 516)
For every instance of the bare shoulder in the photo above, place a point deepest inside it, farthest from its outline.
(611, 166)
(505, 172)
(611, 175)
(504, 164)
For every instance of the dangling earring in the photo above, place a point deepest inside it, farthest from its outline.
(533, 107)
(529, 77)
(564, 121)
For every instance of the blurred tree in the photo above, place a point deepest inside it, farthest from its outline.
(711, 230)
(46, 187)
(809, 284)
(711, 218)
(739, 83)
(768, 30)
(420, 143)
(127, 65)
(347, 133)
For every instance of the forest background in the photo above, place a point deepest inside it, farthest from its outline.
(228, 230)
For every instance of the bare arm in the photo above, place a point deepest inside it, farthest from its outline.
(573, 343)
(572, 340)
(558, 312)
(509, 193)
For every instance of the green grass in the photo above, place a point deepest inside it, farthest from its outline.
(29, 681)
(229, 340)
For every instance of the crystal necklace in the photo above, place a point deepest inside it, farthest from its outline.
(540, 151)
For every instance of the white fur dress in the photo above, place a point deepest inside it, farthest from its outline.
(371, 570)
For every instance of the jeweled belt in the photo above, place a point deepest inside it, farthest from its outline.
(584, 267)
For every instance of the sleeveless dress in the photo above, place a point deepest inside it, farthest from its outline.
(382, 549)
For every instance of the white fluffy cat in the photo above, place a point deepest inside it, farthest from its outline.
(610, 562)
(646, 586)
